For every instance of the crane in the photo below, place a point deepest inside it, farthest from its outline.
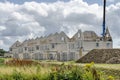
(104, 22)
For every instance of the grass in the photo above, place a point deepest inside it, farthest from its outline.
(107, 69)
(22, 73)
(24, 69)
(106, 66)
(109, 66)
(53, 70)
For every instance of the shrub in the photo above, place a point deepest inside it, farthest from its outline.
(110, 78)
(65, 72)
(68, 72)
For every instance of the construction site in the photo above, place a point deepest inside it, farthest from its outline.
(83, 47)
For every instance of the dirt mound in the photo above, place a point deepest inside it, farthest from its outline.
(113, 60)
(101, 56)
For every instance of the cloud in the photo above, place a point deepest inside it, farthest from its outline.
(32, 19)
(1, 42)
(2, 28)
(113, 19)
(111, 0)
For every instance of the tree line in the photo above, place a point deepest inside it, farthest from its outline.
(2, 52)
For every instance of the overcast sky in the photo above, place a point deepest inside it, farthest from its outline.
(24, 19)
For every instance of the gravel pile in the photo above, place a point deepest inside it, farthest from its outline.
(101, 56)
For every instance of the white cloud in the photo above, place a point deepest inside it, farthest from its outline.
(34, 7)
(2, 28)
(32, 19)
(1, 42)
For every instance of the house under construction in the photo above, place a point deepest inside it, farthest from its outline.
(60, 47)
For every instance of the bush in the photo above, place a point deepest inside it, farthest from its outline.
(65, 72)
(90, 72)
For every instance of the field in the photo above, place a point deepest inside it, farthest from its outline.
(53, 70)
(107, 69)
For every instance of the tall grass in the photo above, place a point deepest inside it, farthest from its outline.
(50, 72)
(1, 61)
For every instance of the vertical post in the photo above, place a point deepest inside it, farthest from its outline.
(68, 51)
(104, 10)
(80, 52)
(81, 48)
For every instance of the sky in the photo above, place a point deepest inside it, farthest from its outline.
(27, 19)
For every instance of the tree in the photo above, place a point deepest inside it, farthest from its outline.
(2, 52)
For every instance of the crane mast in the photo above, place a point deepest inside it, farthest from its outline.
(104, 22)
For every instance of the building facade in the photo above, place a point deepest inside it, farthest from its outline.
(60, 47)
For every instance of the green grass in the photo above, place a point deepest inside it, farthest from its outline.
(53, 70)
(107, 69)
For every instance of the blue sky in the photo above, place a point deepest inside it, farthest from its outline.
(100, 2)
(38, 18)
